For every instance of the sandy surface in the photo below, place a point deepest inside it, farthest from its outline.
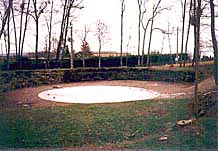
(97, 94)
(29, 96)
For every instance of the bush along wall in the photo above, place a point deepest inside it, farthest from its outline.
(130, 61)
(19, 79)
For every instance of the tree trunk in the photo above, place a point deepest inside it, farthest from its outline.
(9, 43)
(139, 30)
(193, 60)
(5, 40)
(72, 51)
(37, 40)
(83, 59)
(15, 33)
(143, 44)
(49, 34)
(121, 33)
(149, 44)
(3, 25)
(25, 28)
(121, 42)
(20, 34)
(169, 42)
(62, 31)
(36, 18)
(188, 32)
(99, 54)
(162, 45)
(161, 51)
(66, 26)
(143, 48)
(177, 44)
(197, 47)
(214, 41)
(183, 31)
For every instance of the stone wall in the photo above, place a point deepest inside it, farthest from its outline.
(19, 79)
(208, 103)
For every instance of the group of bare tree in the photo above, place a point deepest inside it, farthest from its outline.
(144, 20)
(17, 15)
(21, 13)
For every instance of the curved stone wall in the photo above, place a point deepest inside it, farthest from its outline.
(19, 79)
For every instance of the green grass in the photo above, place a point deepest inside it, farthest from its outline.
(126, 125)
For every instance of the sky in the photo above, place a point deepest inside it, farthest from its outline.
(108, 11)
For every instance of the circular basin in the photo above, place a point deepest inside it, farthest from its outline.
(97, 94)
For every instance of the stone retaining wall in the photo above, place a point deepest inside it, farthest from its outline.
(19, 79)
(208, 103)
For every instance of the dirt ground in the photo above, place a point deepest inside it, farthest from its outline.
(28, 97)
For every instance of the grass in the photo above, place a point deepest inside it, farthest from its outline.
(122, 125)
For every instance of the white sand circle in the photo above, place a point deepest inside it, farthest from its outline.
(97, 94)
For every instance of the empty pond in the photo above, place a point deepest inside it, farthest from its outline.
(97, 94)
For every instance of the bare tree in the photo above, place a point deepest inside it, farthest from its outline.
(169, 43)
(19, 41)
(145, 23)
(162, 45)
(37, 11)
(193, 20)
(72, 49)
(214, 41)
(177, 44)
(66, 9)
(5, 15)
(49, 27)
(150, 37)
(121, 36)
(85, 52)
(21, 9)
(8, 36)
(102, 34)
(68, 5)
(183, 28)
(155, 11)
(145, 27)
(127, 49)
(167, 32)
(196, 22)
(139, 28)
(161, 50)
(188, 30)
(85, 49)
(15, 30)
